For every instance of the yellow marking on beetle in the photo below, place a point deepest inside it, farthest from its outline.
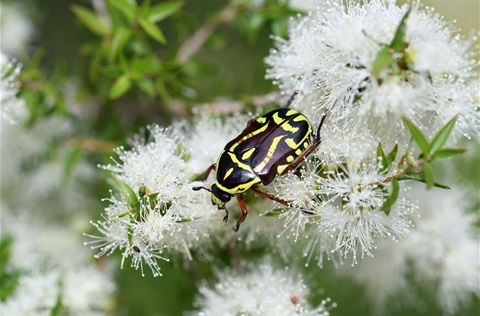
(300, 118)
(291, 112)
(258, 131)
(291, 143)
(289, 128)
(240, 164)
(305, 145)
(290, 159)
(281, 168)
(277, 119)
(298, 152)
(262, 119)
(270, 152)
(247, 154)
(229, 172)
(240, 188)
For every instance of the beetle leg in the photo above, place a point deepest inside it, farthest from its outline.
(244, 210)
(309, 150)
(271, 197)
(209, 169)
(225, 218)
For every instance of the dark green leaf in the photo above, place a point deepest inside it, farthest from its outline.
(152, 29)
(163, 10)
(442, 135)
(392, 155)
(399, 38)
(392, 198)
(421, 178)
(417, 136)
(120, 38)
(120, 87)
(274, 212)
(447, 152)
(127, 192)
(429, 174)
(90, 20)
(126, 7)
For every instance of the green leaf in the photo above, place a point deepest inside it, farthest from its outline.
(383, 59)
(399, 38)
(417, 136)
(447, 152)
(381, 159)
(163, 10)
(120, 87)
(152, 29)
(120, 38)
(274, 212)
(429, 174)
(442, 136)
(127, 192)
(91, 20)
(392, 155)
(126, 7)
(392, 198)
(421, 178)
(147, 86)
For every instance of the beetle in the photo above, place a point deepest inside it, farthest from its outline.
(270, 145)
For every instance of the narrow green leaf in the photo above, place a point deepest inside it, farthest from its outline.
(274, 212)
(120, 38)
(91, 20)
(120, 87)
(383, 59)
(447, 152)
(381, 159)
(421, 178)
(429, 174)
(442, 135)
(126, 7)
(417, 136)
(147, 86)
(392, 155)
(152, 29)
(399, 38)
(392, 198)
(127, 192)
(163, 10)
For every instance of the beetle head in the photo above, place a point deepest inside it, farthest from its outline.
(219, 197)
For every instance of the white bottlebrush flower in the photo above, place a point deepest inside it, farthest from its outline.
(332, 54)
(12, 108)
(343, 208)
(441, 253)
(261, 290)
(156, 209)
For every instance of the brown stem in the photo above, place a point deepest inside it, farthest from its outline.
(193, 44)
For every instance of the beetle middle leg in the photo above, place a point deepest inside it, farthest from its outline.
(271, 197)
(243, 208)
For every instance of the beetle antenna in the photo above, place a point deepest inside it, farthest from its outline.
(200, 188)
(292, 97)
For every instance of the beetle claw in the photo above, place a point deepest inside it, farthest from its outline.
(225, 218)
(236, 228)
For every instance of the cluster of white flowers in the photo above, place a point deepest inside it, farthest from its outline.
(170, 216)
(443, 258)
(332, 57)
(260, 290)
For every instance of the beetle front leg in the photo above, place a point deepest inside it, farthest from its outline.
(209, 169)
(243, 208)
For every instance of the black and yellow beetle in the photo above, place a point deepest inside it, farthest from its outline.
(272, 144)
